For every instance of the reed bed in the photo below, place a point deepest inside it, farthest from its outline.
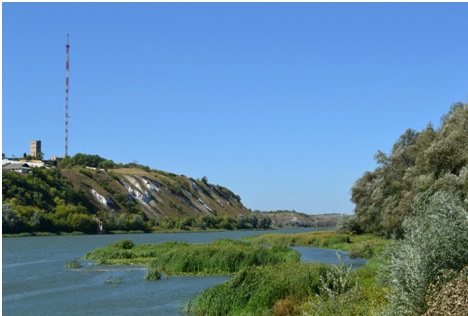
(364, 246)
(256, 290)
(325, 239)
(223, 256)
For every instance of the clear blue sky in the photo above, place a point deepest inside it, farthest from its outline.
(285, 104)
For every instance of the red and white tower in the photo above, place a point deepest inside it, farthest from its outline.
(67, 64)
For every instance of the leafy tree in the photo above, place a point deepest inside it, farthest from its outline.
(427, 161)
(11, 222)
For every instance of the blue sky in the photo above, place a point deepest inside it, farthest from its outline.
(284, 103)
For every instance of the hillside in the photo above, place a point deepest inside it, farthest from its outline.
(157, 193)
(78, 193)
(284, 218)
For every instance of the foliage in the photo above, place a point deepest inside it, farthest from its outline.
(58, 200)
(420, 163)
(325, 239)
(86, 160)
(339, 294)
(362, 246)
(256, 290)
(204, 222)
(74, 264)
(44, 201)
(220, 257)
(435, 242)
(153, 273)
(348, 224)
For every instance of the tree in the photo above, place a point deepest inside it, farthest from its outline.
(10, 220)
(427, 161)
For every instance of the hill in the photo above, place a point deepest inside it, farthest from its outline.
(79, 192)
(285, 218)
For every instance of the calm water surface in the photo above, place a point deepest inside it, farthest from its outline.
(36, 282)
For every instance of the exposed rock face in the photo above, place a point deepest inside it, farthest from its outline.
(157, 194)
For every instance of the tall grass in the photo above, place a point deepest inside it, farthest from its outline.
(364, 246)
(255, 290)
(325, 239)
(223, 256)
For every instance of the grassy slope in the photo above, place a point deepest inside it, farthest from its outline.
(177, 197)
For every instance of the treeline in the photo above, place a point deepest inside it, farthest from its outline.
(420, 164)
(96, 161)
(215, 222)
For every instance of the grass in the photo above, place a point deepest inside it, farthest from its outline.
(364, 246)
(295, 288)
(113, 280)
(224, 256)
(256, 290)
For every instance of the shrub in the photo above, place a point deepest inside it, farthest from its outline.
(124, 244)
(348, 224)
(435, 242)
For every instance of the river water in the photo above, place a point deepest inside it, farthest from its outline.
(36, 282)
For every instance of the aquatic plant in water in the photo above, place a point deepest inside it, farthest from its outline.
(73, 264)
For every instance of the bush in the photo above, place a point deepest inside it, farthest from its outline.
(339, 294)
(348, 224)
(124, 244)
(435, 242)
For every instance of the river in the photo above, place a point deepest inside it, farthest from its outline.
(36, 282)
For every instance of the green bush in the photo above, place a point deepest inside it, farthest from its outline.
(124, 244)
(436, 241)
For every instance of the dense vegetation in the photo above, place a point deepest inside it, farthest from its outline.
(44, 201)
(419, 165)
(419, 194)
(224, 256)
(432, 254)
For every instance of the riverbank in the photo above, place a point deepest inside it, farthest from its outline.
(157, 231)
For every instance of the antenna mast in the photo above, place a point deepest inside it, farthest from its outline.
(67, 63)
